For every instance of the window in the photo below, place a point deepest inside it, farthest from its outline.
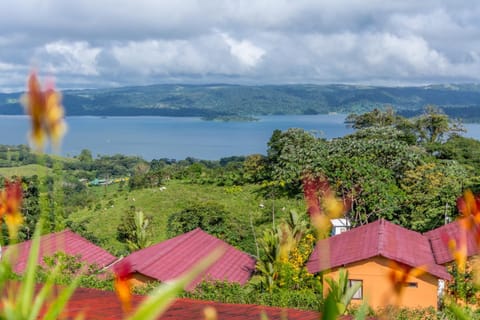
(411, 284)
(359, 294)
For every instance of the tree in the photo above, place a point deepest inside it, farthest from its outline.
(85, 156)
(254, 168)
(30, 206)
(374, 118)
(292, 154)
(432, 189)
(210, 216)
(434, 125)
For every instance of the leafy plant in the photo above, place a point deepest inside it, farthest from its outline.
(339, 295)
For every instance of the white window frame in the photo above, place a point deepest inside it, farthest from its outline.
(359, 294)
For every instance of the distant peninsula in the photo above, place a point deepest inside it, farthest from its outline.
(244, 102)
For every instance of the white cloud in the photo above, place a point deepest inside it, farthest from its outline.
(245, 51)
(70, 57)
(93, 42)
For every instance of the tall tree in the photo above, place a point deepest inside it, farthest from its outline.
(433, 125)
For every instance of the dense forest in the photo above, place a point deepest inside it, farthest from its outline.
(406, 170)
(237, 101)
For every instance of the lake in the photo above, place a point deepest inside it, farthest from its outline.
(178, 138)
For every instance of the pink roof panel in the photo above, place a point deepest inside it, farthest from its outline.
(67, 242)
(440, 247)
(379, 238)
(171, 258)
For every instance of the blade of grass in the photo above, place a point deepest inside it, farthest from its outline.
(28, 284)
(59, 304)
(43, 294)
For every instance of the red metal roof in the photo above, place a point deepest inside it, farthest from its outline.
(97, 304)
(65, 241)
(440, 246)
(171, 258)
(379, 238)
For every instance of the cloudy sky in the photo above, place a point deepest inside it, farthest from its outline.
(104, 43)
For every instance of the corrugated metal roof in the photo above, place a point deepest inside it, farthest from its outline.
(103, 305)
(440, 247)
(65, 241)
(379, 238)
(171, 258)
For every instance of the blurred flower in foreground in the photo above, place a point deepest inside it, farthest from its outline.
(401, 274)
(123, 285)
(458, 249)
(469, 220)
(210, 313)
(46, 113)
(10, 206)
(322, 204)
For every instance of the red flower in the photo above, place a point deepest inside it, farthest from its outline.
(322, 204)
(123, 284)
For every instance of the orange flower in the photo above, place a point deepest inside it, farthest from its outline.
(400, 274)
(123, 285)
(10, 206)
(469, 207)
(45, 111)
(458, 249)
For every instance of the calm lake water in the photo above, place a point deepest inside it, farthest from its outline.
(178, 138)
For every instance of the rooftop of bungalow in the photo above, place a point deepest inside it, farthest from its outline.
(104, 305)
(439, 242)
(65, 241)
(379, 238)
(171, 258)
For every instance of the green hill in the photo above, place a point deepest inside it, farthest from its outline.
(224, 101)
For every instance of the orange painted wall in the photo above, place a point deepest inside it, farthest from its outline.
(378, 290)
(139, 279)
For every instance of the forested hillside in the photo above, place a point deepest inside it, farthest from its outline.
(227, 101)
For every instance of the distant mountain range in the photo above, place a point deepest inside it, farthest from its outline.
(230, 101)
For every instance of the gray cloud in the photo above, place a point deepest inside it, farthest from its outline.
(108, 43)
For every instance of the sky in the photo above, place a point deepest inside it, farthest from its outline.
(111, 43)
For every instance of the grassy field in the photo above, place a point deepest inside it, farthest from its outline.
(242, 203)
(26, 171)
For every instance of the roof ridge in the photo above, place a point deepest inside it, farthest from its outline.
(381, 237)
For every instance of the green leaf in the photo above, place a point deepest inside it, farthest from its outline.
(458, 312)
(330, 311)
(28, 284)
(361, 313)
